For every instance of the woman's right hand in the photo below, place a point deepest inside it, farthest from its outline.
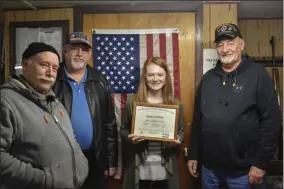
(135, 139)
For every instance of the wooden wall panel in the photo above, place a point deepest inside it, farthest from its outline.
(32, 15)
(213, 16)
(186, 23)
(257, 34)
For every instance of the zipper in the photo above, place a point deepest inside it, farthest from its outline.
(72, 153)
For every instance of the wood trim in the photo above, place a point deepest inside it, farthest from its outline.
(198, 45)
(33, 24)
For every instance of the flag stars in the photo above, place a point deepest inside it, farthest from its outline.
(123, 38)
(127, 43)
(106, 38)
(114, 39)
(98, 38)
(132, 48)
(131, 58)
(131, 39)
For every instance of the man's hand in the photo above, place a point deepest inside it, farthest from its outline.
(192, 167)
(256, 175)
(110, 172)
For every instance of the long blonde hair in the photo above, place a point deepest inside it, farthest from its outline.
(167, 91)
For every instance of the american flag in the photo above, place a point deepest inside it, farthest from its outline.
(120, 55)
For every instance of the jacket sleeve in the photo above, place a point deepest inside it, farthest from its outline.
(112, 135)
(195, 133)
(14, 172)
(181, 123)
(126, 121)
(269, 117)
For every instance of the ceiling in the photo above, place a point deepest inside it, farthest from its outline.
(246, 9)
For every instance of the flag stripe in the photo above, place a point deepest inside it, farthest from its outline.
(156, 45)
(162, 40)
(149, 39)
(117, 107)
(143, 51)
(169, 55)
(176, 65)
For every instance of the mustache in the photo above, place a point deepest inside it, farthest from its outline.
(49, 79)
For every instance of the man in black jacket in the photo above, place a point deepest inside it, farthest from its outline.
(236, 118)
(85, 94)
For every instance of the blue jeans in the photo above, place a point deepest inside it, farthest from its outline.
(214, 179)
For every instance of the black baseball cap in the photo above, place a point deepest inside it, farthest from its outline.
(227, 31)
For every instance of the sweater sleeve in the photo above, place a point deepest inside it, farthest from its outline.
(269, 117)
(14, 172)
(195, 134)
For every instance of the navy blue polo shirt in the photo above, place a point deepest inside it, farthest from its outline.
(80, 116)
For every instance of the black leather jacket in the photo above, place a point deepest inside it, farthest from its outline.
(102, 112)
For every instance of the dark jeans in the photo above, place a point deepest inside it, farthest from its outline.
(213, 180)
(96, 178)
(148, 184)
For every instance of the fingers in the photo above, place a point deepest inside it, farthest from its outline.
(192, 165)
(135, 139)
(255, 179)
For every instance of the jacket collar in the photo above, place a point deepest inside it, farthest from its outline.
(92, 74)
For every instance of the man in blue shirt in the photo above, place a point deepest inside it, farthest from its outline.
(85, 94)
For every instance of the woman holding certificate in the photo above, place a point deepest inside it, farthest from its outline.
(151, 162)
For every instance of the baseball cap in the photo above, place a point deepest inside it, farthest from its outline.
(227, 30)
(38, 47)
(79, 37)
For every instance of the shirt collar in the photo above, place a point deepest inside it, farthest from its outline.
(70, 79)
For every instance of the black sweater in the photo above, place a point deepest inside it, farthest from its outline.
(236, 119)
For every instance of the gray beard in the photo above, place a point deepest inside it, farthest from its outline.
(78, 66)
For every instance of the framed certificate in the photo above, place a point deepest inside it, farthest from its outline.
(155, 121)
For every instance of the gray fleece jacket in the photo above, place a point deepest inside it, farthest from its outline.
(37, 145)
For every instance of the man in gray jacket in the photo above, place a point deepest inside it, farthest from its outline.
(37, 145)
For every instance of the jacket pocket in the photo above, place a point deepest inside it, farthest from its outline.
(61, 175)
(222, 149)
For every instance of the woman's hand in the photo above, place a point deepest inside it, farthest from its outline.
(176, 142)
(135, 139)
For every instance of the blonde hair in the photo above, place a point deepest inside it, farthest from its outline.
(167, 90)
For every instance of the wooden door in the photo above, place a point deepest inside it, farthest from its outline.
(186, 24)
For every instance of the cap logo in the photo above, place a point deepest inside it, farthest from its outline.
(223, 28)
